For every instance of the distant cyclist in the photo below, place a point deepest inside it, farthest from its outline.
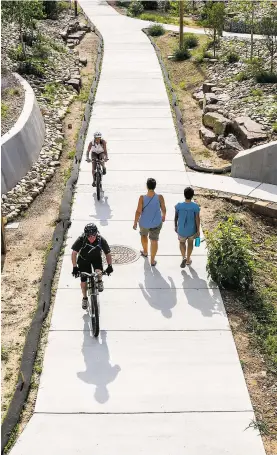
(86, 252)
(98, 150)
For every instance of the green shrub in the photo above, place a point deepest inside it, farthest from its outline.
(256, 92)
(150, 5)
(123, 4)
(156, 30)
(17, 53)
(51, 9)
(190, 40)
(41, 51)
(265, 77)
(230, 262)
(232, 57)
(31, 67)
(181, 54)
(242, 76)
(135, 8)
(274, 127)
(4, 110)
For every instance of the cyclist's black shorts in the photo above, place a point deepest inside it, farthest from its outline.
(85, 266)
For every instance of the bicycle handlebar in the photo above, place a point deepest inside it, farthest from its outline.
(93, 273)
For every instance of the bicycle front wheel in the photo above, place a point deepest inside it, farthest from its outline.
(94, 316)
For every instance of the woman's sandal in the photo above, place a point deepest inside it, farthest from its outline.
(154, 263)
(143, 254)
(189, 262)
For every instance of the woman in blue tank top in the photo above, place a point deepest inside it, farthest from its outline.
(150, 214)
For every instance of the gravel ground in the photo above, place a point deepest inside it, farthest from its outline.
(12, 97)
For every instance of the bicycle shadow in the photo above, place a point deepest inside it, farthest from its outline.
(99, 370)
(163, 296)
(103, 211)
(211, 303)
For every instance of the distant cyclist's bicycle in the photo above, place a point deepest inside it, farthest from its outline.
(98, 177)
(93, 301)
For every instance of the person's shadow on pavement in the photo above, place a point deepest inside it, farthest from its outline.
(208, 306)
(157, 291)
(103, 211)
(99, 370)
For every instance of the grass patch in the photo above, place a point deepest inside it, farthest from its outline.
(71, 155)
(12, 439)
(13, 91)
(66, 175)
(4, 110)
(84, 94)
(50, 90)
(256, 92)
(237, 263)
(47, 251)
(4, 354)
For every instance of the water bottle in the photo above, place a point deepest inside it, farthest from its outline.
(197, 241)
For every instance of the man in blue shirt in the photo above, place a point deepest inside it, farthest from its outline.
(187, 224)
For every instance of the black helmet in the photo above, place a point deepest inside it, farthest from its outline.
(91, 229)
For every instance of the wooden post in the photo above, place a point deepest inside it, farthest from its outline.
(3, 238)
(181, 11)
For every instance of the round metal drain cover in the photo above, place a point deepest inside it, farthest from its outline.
(122, 254)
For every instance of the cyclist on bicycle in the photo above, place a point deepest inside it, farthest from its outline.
(86, 252)
(98, 150)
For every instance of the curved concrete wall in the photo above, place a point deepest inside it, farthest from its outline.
(258, 163)
(20, 147)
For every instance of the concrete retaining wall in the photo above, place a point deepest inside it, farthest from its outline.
(20, 147)
(258, 163)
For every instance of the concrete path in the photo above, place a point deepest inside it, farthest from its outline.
(164, 377)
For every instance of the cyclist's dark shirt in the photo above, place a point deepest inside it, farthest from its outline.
(90, 251)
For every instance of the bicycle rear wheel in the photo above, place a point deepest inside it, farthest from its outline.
(94, 316)
(98, 186)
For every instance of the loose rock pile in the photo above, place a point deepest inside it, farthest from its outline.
(54, 93)
(236, 114)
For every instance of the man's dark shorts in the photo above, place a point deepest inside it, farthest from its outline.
(85, 266)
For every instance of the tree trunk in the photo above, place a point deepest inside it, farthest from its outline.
(75, 8)
(3, 238)
(214, 41)
(181, 12)
(252, 32)
(21, 40)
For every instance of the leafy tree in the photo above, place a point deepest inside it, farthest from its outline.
(23, 13)
(215, 21)
(268, 28)
(51, 9)
(247, 11)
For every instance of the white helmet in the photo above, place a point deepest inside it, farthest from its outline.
(97, 134)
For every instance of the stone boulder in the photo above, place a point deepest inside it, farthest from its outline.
(247, 131)
(207, 87)
(75, 83)
(207, 136)
(216, 122)
(199, 96)
(77, 35)
(211, 108)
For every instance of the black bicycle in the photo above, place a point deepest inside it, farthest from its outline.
(98, 177)
(93, 301)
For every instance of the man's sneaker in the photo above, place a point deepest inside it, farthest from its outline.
(84, 303)
(100, 286)
(104, 171)
(183, 263)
